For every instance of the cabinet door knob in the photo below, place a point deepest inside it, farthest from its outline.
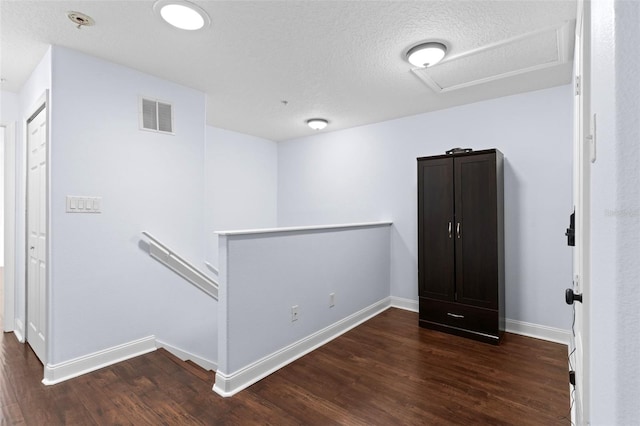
(449, 229)
(458, 229)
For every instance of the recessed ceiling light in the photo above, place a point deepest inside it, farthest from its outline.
(182, 14)
(317, 123)
(426, 54)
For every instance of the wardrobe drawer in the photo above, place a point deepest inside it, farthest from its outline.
(466, 317)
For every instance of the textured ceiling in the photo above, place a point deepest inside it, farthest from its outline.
(340, 60)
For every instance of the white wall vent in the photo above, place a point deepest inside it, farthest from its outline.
(156, 116)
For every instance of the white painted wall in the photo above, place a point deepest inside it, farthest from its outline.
(615, 215)
(263, 275)
(2, 195)
(9, 239)
(105, 289)
(241, 184)
(9, 107)
(369, 173)
(9, 113)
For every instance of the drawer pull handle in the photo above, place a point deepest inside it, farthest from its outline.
(455, 315)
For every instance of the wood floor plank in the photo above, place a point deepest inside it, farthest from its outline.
(7, 394)
(99, 411)
(314, 408)
(386, 371)
(64, 400)
(11, 414)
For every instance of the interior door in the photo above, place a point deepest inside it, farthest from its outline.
(37, 232)
(435, 228)
(582, 157)
(476, 230)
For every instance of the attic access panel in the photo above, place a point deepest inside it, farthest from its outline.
(529, 52)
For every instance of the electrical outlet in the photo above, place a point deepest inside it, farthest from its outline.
(294, 313)
(332, 300)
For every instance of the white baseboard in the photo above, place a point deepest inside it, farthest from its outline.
(229, 385)
(73, 368)
(19, 336)
(19, 331)
(537, 331)
(8, 323)
(186, 356)
(406, 304)
(542, 332)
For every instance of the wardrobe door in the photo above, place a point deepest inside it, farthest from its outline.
(476, 230)
(435, 228)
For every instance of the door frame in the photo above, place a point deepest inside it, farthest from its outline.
(583, 156)
(42, 103)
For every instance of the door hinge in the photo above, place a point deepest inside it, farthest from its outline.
(578, 85)
(571, 230)
(592, 140)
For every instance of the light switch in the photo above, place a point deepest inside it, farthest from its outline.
(83, 204)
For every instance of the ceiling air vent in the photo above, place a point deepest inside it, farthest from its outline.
(156, 116)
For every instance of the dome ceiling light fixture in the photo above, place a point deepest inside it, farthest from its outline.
(317, 123)
(426, 54)
(182, 14)
(80, 19)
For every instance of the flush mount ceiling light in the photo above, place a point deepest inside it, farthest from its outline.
(182, 14)
(426, 54)
(317, 123)
(80, 19)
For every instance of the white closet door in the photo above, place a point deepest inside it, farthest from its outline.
(37, 234)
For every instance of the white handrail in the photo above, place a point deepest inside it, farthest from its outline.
(212, 268)
(182, 267)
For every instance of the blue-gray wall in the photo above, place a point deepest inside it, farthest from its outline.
(368, 173)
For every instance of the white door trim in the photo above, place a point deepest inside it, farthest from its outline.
(581, 194)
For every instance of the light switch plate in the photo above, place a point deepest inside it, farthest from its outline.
(84, 204)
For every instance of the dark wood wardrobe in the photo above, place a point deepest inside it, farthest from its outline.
(461, 244)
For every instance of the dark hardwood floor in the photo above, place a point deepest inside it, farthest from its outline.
(387, 371)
